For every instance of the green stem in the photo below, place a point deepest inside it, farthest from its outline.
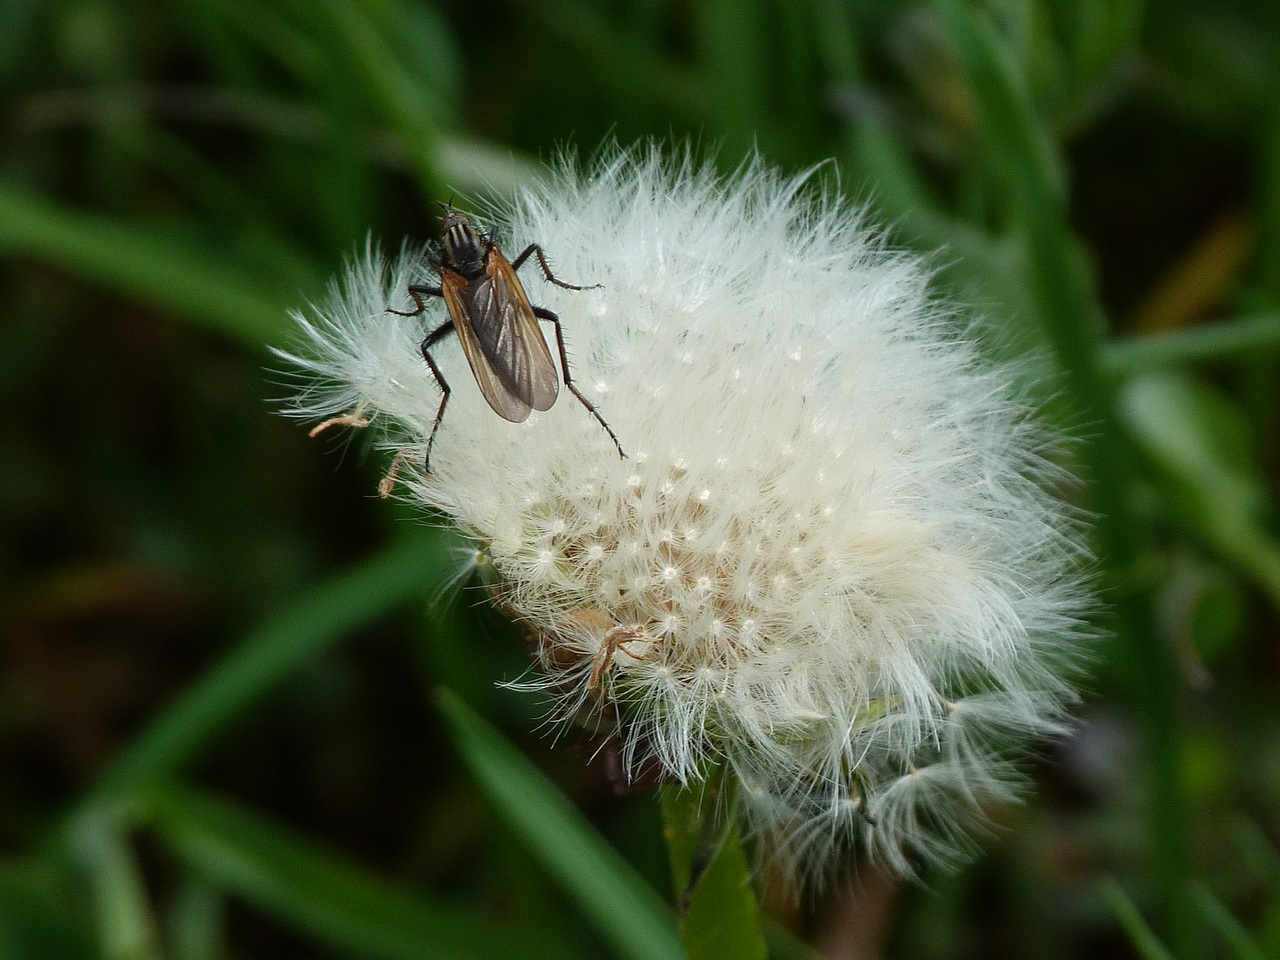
(719, 916)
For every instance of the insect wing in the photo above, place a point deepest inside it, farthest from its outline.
(500, 397)
(509, 333)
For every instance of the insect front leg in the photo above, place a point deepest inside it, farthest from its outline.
(388, 482)
(546, 268)
(434, 337)
(418, 291)
(544, 314)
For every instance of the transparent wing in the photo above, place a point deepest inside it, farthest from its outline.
(510, 336)
(500, 396)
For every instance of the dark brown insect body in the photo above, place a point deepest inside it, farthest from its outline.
(497, 325)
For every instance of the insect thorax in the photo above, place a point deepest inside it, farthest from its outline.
(465, 249)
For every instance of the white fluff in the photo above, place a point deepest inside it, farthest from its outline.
(829, 565)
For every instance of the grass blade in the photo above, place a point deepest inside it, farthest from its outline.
(36, 920)
(267, 657)
(1241, 945)
(140, 263)
(1211, 341)
(1072, 321)
(1144, 941)
(638, 923)
(327, 896)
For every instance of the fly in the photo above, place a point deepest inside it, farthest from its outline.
(497, 325)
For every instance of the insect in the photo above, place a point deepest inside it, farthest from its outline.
(498, 326)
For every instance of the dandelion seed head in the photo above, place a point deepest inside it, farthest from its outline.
(830, 562)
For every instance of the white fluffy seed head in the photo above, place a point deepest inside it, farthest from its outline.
(829, 564)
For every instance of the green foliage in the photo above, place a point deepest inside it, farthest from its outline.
(719, 913)
(1101, 178)
(333, 899)
(625, 909)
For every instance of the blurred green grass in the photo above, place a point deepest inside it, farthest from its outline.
(217, 729)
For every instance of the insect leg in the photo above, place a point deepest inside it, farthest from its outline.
(418, 291)
(546, 269)
(545, 314)
(434, 337)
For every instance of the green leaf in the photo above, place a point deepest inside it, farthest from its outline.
(1242, 946)
(37, 921)
(1241, 338)
(127, 930)
(396, 93)
(268, 657)
(195, 922)
(1022, 149)
(326, 895)
(1254, 850)
(1195, 434)
(1140, 935)
(1199, 440)
(733, 38)
(140, 263)
(719, 914)
(625, 910)
(1062, 289)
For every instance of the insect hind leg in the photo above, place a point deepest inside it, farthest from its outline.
(544, 314)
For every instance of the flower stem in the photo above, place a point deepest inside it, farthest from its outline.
(719, 916)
